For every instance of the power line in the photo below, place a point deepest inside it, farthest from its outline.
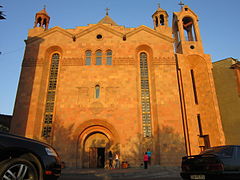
(10, 52)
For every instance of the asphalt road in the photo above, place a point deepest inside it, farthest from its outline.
(77, 177)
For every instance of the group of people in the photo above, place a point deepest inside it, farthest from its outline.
(147, 158)
(110, 158)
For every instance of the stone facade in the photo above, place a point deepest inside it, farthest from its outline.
(226, 75)
(106, 87)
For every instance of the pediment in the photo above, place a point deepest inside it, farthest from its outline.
(186, 11)
(99, 26)
(49, 32)
(151, 31)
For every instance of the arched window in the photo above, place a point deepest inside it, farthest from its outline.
(162, 19)
(109, 57)
(39, 22)
(189, 31)
(98, 57)
(145, 96)
(97, 91)
(156, 21)
(50, 99)
(88, 56)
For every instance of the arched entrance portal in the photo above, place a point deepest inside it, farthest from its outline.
(95, 139)
(95, 151)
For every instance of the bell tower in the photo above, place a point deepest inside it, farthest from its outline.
(196, 85)
(160, 21)
(186, 31)
(160, 18)
(42, 19)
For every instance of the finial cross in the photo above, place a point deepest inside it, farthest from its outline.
(44, 7)
(181, 4)
(107, 9)
(158, 5)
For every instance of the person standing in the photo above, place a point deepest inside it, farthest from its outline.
(145, 159)
(149, 153)
(117, 162)
(110, 158)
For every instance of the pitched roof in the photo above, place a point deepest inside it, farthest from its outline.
(107, 20)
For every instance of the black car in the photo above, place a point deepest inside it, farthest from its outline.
(221, 162)
(26, 159)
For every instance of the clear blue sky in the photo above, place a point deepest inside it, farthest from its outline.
(219, 26)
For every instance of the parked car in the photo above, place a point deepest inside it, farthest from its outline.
(24, 159)
(221, 162)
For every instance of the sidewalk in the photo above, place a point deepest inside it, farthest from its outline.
(156, 171)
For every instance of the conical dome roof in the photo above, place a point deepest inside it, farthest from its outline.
(107, 20)
(43, 11)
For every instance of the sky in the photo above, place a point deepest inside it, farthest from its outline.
(218, 20)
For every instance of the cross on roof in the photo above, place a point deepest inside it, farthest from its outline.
(158, 5)
(181, 4)
(107, 9)
(44, 7)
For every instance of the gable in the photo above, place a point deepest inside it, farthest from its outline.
(99, 26)
(48, 33)
(146, 29)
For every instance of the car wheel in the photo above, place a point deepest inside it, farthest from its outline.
(18, 169)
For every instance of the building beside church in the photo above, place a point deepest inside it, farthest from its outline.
(105, 87)
(226, 75)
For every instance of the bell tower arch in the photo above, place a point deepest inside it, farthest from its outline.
(186, 31)
(160, 18)
(160, 21)
(42, 19)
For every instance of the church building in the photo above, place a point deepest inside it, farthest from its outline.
(105, 87)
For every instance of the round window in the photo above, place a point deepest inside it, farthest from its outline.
(99, 36)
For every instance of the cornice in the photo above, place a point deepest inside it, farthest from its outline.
(32, 62)
(102, 26)
(151, 31)
(164, 61)
(72, 62)
(48, 32)
(124, 61)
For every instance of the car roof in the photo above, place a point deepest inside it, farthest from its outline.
(13, 136)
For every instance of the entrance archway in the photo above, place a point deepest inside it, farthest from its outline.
(96, 139)
(95, 150)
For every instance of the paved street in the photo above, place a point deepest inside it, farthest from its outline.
(160, 173)
(77, 177)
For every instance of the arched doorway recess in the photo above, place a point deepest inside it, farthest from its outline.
(95, 140)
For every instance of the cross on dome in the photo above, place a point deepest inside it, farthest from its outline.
(181, 4)
(107, 9)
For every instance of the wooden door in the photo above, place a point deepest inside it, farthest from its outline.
(92, 157)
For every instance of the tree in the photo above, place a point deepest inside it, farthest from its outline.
(2, 15)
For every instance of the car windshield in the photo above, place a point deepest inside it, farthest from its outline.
(221, 150)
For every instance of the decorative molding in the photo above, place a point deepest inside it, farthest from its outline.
(151, 31)
(32, 62)
(96, 107)
(164, 61)
(112, 93)
(124, 61)
(83, 95)
(72, 62)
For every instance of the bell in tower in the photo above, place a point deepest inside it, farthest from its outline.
(186, 31)
(160, 18)
(160, 21)
(42, 19)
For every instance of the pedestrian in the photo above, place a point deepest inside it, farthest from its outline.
(149, 153)
(145, 159)
(110, 158)
(117, 162)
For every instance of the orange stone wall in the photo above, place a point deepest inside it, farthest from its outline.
(117, 114)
